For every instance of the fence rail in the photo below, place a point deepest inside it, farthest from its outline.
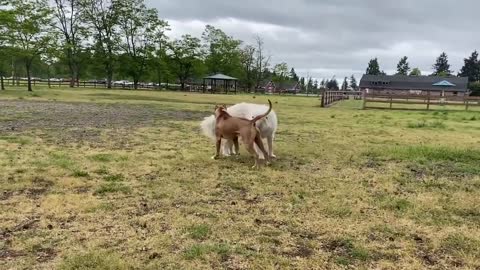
(330, 97)
(427, 99)
(189, 87)
(91, 84)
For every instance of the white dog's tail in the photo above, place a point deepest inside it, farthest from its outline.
(208, 127)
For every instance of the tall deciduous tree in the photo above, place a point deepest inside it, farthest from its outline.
(223, 53)
(140, 30)
(471, 68)
(102, 17)
(248, 64)
(3, 65)
(415, 72)
(262, 60)
(403, 68)
(373, 67)
(185, 54)
(28, 30)
(68, 16)
(441, 66)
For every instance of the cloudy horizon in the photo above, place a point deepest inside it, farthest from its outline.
(337, 37)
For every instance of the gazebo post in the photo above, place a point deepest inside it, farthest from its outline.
(235, 86)
(204, 86)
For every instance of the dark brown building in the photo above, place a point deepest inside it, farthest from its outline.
(414, 85)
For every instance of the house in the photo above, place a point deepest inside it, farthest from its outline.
(270, 86)
(415, 85)
(290, 87)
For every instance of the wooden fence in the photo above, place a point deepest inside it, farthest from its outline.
(330, 97)
(427, 100)
(94, 84)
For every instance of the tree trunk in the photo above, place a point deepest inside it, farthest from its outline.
(2, 83)
(29, 79)
(109, 78)
(159, 78)
(48, 77)
(135, 83)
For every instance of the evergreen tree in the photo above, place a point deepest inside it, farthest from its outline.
(403, 67)
(353, 83)
(442, 67)
(471, 68)
(323, 84)
(345, 84)
(373, 67)
(332, 84)
(302, 83)
(293, 75)
(315, 85)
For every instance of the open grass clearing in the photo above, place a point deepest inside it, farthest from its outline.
(351, 188)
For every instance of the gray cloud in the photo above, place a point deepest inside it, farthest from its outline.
(338, 37)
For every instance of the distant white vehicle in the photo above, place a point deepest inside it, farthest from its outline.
(121, 82)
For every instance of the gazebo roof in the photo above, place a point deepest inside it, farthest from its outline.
(220, 76)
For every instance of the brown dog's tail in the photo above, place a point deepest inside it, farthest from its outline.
(263, 115)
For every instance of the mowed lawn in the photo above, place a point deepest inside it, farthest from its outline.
(124, 180)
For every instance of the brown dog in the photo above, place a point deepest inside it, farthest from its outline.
(230, 127)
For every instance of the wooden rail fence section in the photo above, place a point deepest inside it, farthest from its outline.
(428, 100)
(330, 97)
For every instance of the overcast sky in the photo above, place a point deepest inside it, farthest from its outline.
(338, 37)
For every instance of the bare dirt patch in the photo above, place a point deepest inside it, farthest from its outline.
(64, 122)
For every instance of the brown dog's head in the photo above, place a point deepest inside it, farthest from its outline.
(220, 109)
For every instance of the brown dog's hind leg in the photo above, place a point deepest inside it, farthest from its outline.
(252, 151)
(237, 148)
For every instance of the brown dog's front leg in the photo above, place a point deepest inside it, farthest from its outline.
(259, 142)
(218, 144)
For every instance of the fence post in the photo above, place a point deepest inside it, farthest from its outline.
(466, 103)
(322, 104)
(428, 100)
(391, 101)
(364, 97)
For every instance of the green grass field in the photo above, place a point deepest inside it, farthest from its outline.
(98, 179)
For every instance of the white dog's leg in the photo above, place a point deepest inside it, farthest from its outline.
(227, 148)
(270, 146)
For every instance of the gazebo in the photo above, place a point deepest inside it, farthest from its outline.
(219, 79)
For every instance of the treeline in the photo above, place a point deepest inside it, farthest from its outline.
(113, 39)
(441, 67)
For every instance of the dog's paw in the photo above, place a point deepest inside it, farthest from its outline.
(215, 157)
(273, 156)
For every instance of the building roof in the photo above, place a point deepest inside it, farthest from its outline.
(220, 76)
(402, 82)
(288, 85)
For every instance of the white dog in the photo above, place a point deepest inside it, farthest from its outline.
(267, 126)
